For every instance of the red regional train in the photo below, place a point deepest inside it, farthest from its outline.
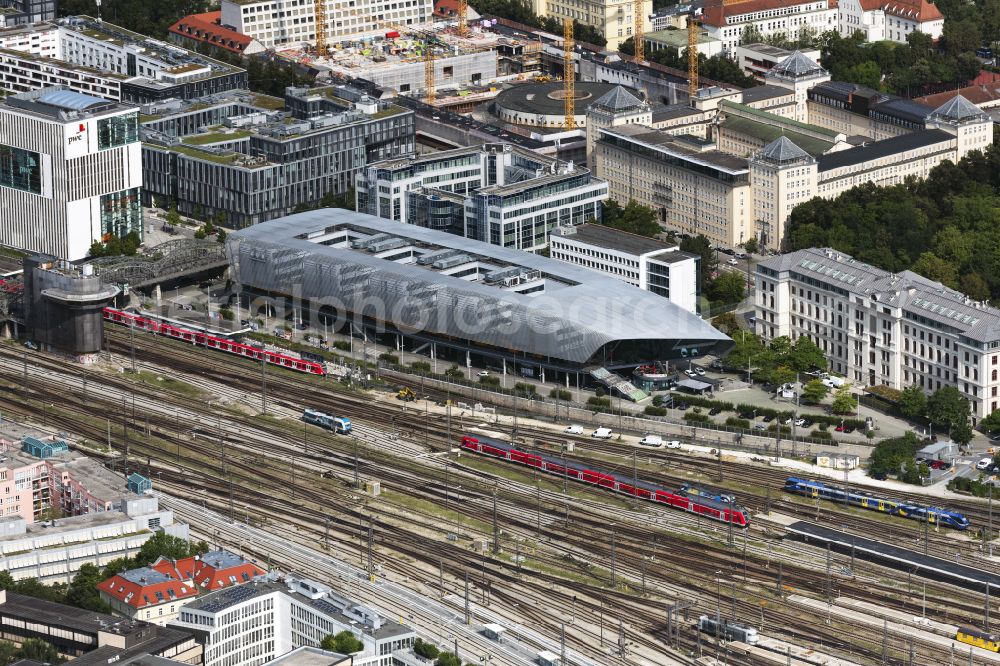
(703, 506)
(212, 342)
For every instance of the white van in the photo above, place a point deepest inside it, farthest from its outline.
(602, 433)
(651, 440)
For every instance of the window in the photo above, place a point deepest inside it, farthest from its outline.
(117, 131)
(20, 169)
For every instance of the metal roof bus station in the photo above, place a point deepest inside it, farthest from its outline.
(455, 299)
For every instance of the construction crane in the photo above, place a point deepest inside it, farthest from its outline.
(319, 15)
(463, 21)
(429, 92)
(692, 58)
(569, 76)
(638, 32)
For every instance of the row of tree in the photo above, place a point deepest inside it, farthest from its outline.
(718, 67)
(944, 227)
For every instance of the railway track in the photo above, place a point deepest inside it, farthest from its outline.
(635, 540)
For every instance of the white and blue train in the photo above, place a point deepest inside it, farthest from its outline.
(730, 631)
(338, 424)
(865, 500)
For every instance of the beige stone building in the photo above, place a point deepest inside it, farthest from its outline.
(614, 18)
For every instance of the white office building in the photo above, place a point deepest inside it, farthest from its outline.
(255, 623)
(70, 171)
(877, 327)
(496, 193)
(642, 262)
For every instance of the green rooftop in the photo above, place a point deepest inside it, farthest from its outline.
(767, 117)
(768, 133)
(215, 137)
(268, 102)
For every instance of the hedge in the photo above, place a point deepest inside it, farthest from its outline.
(821, 434)
(652, 410)
(594, 401)
(697, 418)
(738, 423)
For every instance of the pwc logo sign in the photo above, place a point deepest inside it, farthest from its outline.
(76, 140)
(79, 134)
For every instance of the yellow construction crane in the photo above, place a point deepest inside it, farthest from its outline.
(463, 22)
(429, 93)
(692, 58)
(319, 15)
(639, 31)
(569, 76)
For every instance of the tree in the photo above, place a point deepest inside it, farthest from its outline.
(890, 455)
(806, 355)
(220, 235)
(425, 650)
(991, 421)
(814, 392)
(751, 245)
(751, 34)
(728, 323)
(82, 591)
(634, 218)
(701, 246)
(448, 659)
(173, 217)
(162, 545)
(961, 433)
(947, 407)
(36, 649)
(116, 566)
(933, 267)
(345, 643)
(913, 402)
(728, 288)
(843, 401)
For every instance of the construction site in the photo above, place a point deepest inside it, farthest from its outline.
(421, 60)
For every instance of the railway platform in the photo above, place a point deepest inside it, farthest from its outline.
(780, 653)
(901, 558)
(894, 615)
(895, 629)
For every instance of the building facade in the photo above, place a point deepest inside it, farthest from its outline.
(694, 188)
(757, 59)
(496, 193)
(614, 19)
(290, 23)
(196, 30)
(258, 622)
(263, 164)
(877, 327)
(70, 172)
(617, 107)
(879, 20)
(726, 22)
(26, 12)
(98, 58)
(642, 262)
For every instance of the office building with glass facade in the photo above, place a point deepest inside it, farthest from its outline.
(238, 157)
(70, 171)
(496, 193)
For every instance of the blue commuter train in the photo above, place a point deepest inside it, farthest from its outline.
(865, 500)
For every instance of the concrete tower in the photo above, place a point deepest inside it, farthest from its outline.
(783, 176)
(797, 73)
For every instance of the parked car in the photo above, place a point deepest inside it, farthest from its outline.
(759, 426)
(673, 444)
(714, 411)
(484, 373)
(848, 429)
(716, 365)
(767, 418)
(800, 423)
(732, 261)
(602, 433)
(573, 430)
(651, 440)
(840, 428)
(690, 373)
(806, 423)
(984, 463)
(700, 372)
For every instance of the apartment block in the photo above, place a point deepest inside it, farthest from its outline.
(727, 21)
(613, 18)
(894, 21)
(877, 327)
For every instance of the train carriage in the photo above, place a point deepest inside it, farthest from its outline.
(703, 506)
(213, 342)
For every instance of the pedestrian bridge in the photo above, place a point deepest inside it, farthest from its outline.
(162, 263)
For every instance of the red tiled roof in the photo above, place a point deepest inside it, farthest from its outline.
(208, 28)
(139, 594)
(982, 94)
(915, 10)
(715, 13)
(203, 573)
